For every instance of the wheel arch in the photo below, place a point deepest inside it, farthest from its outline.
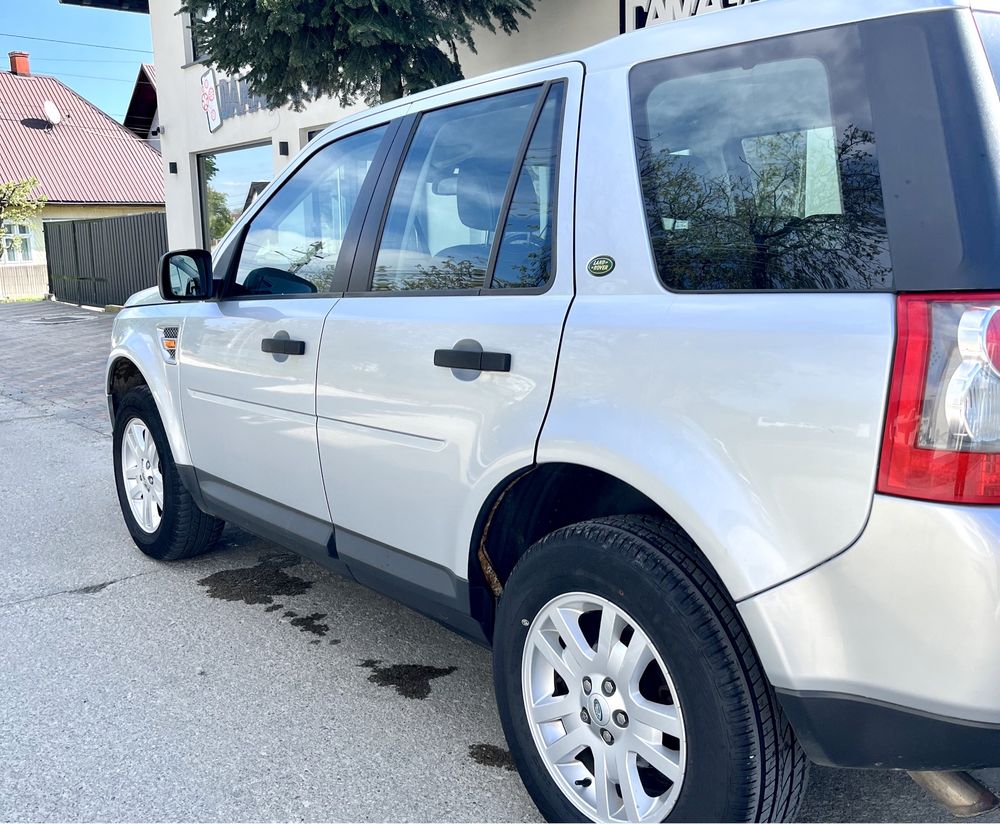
(141, 365)
(123, 374)
(530, 504)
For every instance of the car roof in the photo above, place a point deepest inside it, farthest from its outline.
(743, 24)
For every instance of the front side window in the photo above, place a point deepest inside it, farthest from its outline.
(293, 243)
(447, 205)
(15, 243)
(759, 170)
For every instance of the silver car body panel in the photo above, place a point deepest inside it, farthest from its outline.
(910, 615)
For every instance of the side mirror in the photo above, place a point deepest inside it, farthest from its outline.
(186, 275)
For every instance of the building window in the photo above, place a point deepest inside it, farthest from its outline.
(196, 26)
(230, 182)
(312, 134)
(15, 244)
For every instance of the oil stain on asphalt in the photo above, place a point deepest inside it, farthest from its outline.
(257, 584)
(309, 623)
(409, 680)
(490, 755)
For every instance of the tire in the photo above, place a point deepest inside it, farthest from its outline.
(736, 758)
(177, 529)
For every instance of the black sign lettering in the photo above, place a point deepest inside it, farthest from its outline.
(638, 14)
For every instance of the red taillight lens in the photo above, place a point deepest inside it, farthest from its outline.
(942, 432)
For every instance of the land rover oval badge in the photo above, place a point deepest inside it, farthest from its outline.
(601, 266)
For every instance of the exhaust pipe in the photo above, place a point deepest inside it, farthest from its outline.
(959, 792)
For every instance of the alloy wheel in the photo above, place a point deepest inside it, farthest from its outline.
(603, 710)
(142, 475)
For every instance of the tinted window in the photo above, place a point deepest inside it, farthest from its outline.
(759, 171)
(447, 204)
(525, 256)
(293, 243)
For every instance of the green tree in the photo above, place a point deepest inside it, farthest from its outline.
(18, 204)
(220, 218)
(294, 51)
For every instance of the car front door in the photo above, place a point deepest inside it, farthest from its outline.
(437, 365)
(248, 361)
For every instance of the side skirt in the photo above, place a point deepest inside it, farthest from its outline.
(428, 588)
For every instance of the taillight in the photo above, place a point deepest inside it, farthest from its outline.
(942, 432)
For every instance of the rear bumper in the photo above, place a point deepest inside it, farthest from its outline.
(889, 654)
(846, 731)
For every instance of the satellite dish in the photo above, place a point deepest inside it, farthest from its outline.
(52, 114)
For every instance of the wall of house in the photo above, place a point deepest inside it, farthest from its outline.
(20, 280)
(24, 279)
(556, 26)
(154, 127)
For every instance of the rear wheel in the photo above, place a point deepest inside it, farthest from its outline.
(160, 514)
(628, 688)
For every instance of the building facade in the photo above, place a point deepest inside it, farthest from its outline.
(221, 144)
(87, 166)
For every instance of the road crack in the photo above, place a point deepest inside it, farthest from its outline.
(90, 589)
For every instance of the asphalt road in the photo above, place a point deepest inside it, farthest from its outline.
(246, 685)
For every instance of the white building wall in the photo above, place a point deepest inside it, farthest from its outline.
(556, 26)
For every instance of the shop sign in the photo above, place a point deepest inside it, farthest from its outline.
(210, 101)
(222, 99)
(235, 99)
(638, 14)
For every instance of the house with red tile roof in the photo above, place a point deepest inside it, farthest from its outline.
(87, 164)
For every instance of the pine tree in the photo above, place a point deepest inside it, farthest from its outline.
(294, 51)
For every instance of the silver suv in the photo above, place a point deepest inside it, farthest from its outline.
(669, 369)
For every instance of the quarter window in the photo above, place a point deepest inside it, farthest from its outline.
(525, 256)
(760, 173)
(293, 243)
(446, 208)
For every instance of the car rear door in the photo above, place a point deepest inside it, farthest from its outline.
(248, 361)
(437, 365)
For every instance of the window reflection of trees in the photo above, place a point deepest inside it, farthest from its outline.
(750, 230)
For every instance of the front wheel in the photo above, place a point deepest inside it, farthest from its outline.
(160, 514)
(628, 689)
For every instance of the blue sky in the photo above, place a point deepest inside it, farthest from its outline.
(110, 74)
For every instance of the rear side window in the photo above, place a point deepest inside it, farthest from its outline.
(758, 168)
(448, 200)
